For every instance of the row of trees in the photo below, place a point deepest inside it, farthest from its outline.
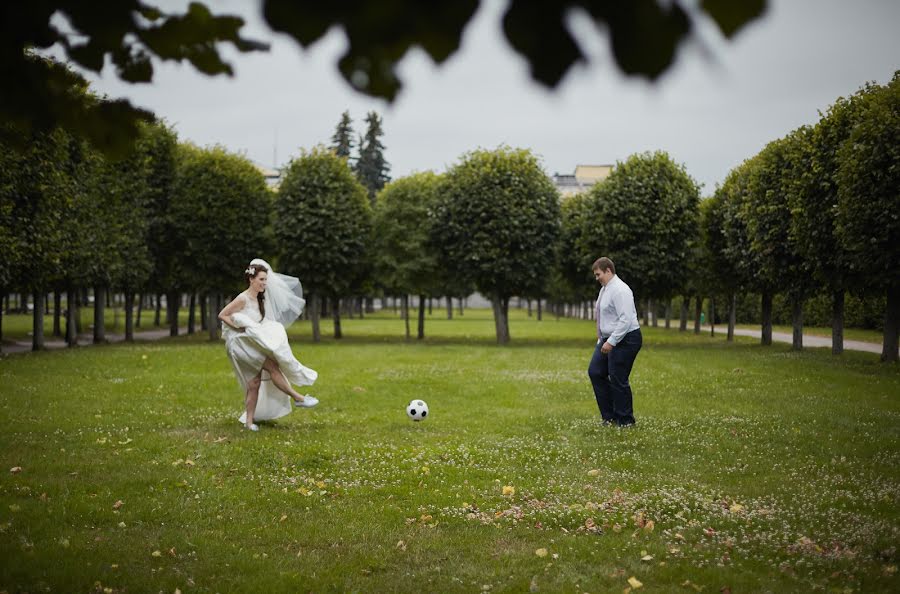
(169, 219)
(817, 211)
(812, 212)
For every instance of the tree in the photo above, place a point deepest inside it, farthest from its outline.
(323, 225)
(162, 242)
(868, 218)
(220, 216)
(713, 271)
(371, 167)
(497, 219)
(342, 141)
(644, 35)
(572, 280)
(40, 94)
(778, 264)
(37, 194)
(405, 262)
(644, 217)
(814, 204)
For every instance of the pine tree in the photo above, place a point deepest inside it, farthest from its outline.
(342, 141)
(371, 167)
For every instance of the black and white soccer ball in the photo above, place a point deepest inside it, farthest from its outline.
(417, 410)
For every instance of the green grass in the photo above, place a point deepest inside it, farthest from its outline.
(761, 469)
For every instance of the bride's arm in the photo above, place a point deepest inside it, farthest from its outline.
(232, 308)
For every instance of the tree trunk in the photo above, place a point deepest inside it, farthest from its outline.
(685, 306)
(501, 318)
(766, 335)
(140, 309)
(99, 315)
(158, 308)
(429, 305)
(712, 316)
(646, 313)
(336, 316)
(449, 308)
(370, 305)
(212, 325)
(404, 311)
(37, 326)
(71, 316)
(654, 312)
(76, 307)
(889, 352)
(698, 309)
(129, 315)
(797, 321)
(837, 322)
(191, 305)
(57, 310)
(732, 316)
(204, 322)
(668, 314)
(462, 302)
(529, 307)
(540, 313)
(1, 323)
(314, 318)
(172, 300)
(421, 334)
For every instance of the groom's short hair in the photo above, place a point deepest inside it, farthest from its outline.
(604, 264)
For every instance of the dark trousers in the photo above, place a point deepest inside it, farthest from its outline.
(609, 376)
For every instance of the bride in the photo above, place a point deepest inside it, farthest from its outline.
(257, 344)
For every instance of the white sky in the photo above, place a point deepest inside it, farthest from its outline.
(708, 113)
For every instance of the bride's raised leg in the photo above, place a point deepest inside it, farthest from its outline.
(252, 398)
(280, 381)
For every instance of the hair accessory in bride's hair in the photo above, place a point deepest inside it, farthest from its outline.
(250, 270)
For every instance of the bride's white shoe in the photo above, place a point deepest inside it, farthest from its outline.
(307, 402)
(252, 427)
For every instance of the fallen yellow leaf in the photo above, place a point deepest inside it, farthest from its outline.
(509, 490)
(156, 554)
(634, 583)
(541, 552)
(15, 469)
(593, 472)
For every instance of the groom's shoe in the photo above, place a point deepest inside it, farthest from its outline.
(307, 402)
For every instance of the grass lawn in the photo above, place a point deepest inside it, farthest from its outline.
(751, 468)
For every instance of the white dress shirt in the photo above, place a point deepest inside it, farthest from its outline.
(615, 311)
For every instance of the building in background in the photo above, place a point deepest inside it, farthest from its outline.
(273, 176)
(584, 177)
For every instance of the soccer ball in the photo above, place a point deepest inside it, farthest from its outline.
(417, 410)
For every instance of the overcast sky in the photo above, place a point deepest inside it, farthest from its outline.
(708, 113)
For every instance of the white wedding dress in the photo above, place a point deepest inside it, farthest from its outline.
(248, 350)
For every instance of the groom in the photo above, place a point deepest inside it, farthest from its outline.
(618, 342)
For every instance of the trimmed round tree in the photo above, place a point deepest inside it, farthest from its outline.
(868, 219)
(405, 262)
(497, 222)
(323, 224)
(644, 217)
(220, 216)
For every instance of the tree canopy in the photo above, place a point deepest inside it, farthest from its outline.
(42, 94)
